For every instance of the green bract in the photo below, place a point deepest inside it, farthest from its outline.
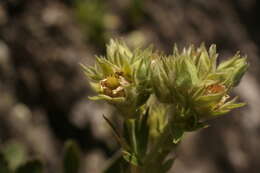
(196, 87)
(122, 77)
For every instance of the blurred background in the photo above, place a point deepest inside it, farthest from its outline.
(43, 92)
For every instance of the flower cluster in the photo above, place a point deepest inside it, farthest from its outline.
(197, 87)
(122, 77)
(162, 96)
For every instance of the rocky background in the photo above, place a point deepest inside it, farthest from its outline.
(43, 92)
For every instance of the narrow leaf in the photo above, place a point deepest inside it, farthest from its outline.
(167, 165)
(115, 132)
(131, 158)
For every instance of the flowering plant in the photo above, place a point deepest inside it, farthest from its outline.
(160, 97)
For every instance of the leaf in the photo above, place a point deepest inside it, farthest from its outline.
(33, 166)
(91, 72)
(199, 125)
(209, 100)
(131, 129)
(143, 134)
(177, 135)
(228, 63)
(95, 86)
(131, 158)
(204, 63)
(105, 66)
(191, 69)
(4, 165)
(213, 55)
(238, 74)
(136, 134)
(116, 133)
(167, 165)
(183, 78)
(107, 98)
(71, 160)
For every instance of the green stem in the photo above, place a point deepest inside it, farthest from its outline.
(159, 152)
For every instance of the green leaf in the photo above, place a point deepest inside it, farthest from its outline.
(213, 55)
(108, 98)
(209, 100)
(204, 63)
(4, 165)
(177, 135)
(136, 134)
(231, 105)
(198, 125)
(95, 86)
(118, 47)
(183, 78)
(105, 66)
(143, 134)
(238, 74)
(131, 158)
(91, 72)
(228, 63)
(71, 160)
(33, 166)
(191, 68)
(116, 133)
(131, 128)
(167, 165)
